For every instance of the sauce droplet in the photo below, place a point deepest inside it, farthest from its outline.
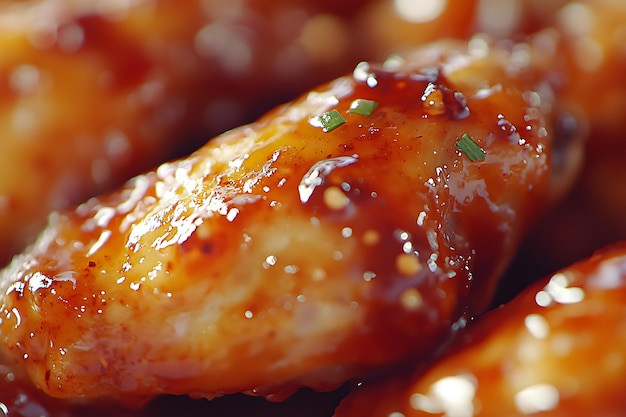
(316, 174)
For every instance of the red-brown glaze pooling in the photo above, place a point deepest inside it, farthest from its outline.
(286, 253)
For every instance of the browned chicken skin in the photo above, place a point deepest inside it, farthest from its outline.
(94, 92)
(291, 253)
(558, 349)
(587, 56)
(589, 63)
(565, 359)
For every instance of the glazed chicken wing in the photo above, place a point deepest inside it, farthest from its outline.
(94, 92)
(590, 60)
(352, 229)
(557, 349)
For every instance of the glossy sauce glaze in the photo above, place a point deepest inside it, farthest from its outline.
(557, 349)
(589, 59)
(93, 93)
(20, 398)
(289, 253)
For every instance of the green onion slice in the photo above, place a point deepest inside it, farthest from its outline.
(329, 120)
(470, 148)
(363, 107)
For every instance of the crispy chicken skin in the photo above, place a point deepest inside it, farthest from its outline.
(287, 253)
(557, 349)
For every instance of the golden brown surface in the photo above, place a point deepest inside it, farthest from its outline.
(273, 257)
(558, 349)
(19, 398)
(582, 354)
(590, 62)
(92, 93)
(88, 98)
(580, 43)
(594, 34)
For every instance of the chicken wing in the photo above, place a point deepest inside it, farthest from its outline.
(590, 60)
(93, 92)
(357, 227)
(557, 349)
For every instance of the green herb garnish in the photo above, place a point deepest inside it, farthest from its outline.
(470, 148)
(330, 120)
(363, 107)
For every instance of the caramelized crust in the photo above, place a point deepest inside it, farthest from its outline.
(283, 255)
(557, 349)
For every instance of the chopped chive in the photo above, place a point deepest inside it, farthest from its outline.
(363, 107)
(330, 120)
(470, 148)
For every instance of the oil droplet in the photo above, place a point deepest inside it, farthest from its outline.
(451, 395)
(433, 100)
(421, 218)
(232, 214)
(537, 398)
(363, 74)
(371, 237)
(407, 247)
(408, 264)
(369, 275)
(25, 79)
(537, 326)
(411, 299)
(335, 199)
(419, 11)
(543, 299)
(558, 289)
(18, 317)
(291, 269)
(102, 239)
(317, 173)
(39, 281)
(318, 274)
(438, 99)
